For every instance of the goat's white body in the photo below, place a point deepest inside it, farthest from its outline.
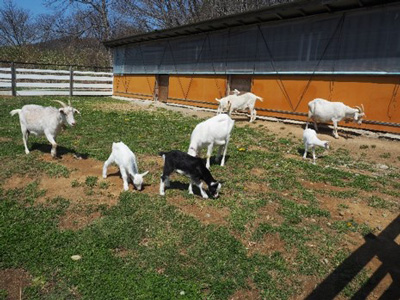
(41, 120)
(125, 159)
(214, 131)
(244, 101)
(311, 140)
(321, 110)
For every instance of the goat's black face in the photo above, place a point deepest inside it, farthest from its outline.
(214, 188)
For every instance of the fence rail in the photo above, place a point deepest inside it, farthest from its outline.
(38, 82)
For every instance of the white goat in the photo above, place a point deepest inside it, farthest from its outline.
(214, 131)
(310, 139)
(48, 121)
(320, 110)
(126, 161)
(244, 101)
(224, 102)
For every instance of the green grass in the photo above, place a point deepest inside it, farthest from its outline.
(146, 248)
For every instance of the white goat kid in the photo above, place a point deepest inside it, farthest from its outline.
(310, 139)
(320, 110)
(214, 131)
(48, 121)
(224, 102)
(126, 162)
(244, 101)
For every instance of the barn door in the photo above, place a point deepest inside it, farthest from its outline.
(163, 81)
(240, 82)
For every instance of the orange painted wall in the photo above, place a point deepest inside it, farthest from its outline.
(196, 89)
(285, 93)
(292, 93)
(139, 86)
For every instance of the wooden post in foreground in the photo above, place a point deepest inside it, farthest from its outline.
(13, 80)
(71, 81)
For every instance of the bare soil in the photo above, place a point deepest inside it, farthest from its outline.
(14, 281)
(381, 152)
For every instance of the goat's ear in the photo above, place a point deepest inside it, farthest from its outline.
(61, 110)
(76, 111)
(144, 174)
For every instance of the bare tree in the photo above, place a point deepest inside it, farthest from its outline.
(17, 28)
(95, 14)
(161, 14)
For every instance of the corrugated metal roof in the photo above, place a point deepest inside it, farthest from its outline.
(297, 9)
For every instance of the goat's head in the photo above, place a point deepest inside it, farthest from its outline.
(359, 115)
(214, 188)
(68, 112)
(138, 180)
(236, 92)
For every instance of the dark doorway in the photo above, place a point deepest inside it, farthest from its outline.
(163, 81)
(240, 82)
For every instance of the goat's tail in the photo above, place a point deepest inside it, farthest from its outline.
(259, 98)
(15, 111)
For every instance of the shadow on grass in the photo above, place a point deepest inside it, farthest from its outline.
(46, 148)
(177, 185)
(215, 161)
(383, 246)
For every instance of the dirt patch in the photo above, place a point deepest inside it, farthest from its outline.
(14, 281)
(75, 189)
(258, 172)
(270, 243)
(75, 220)
(204, 213)
(247, 294)
(5, 139)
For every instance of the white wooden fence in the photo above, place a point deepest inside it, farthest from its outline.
(41, 82)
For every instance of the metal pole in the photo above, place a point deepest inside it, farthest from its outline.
(71, 81)
(13, 80)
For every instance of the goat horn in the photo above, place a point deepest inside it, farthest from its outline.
(365, 115)
(62, 103)
(69, 102)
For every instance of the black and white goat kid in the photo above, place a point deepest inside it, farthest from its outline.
(193, 167)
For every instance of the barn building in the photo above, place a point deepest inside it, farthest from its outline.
(340, 50)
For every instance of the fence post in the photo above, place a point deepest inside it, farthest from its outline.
(71, 81)
(13, 80)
